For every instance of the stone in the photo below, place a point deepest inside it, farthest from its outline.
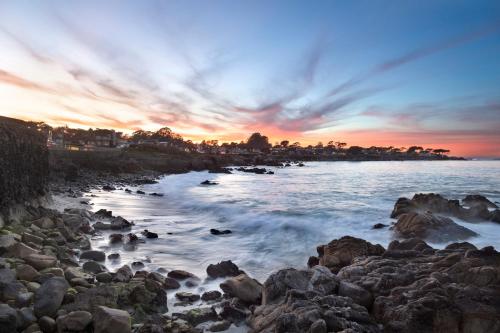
(114, 256)
(74, 321)
(211, 295)
(341, 252)
(47, 324)
(49, 297)
(171, 283)
(123, 274)
(187, 297)
(27, 273)
(21, 250)
(26, 317)
(115, 238)
(93, 255)
(243, 287)
(477, 199)
(10, 291)
(199, 315)
(223, 269)
(93, 267)
(180, 274)
(358, 294)
(107, 320)
(6, 242)
(104, 277)
(219, 326)
(7, 275)
(41, 261)
(8, 319)
(430, 227)
(44, 223)
(77, 273)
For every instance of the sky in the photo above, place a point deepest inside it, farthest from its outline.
(396, 73)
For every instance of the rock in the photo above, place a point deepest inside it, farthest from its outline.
(223, 269)
(7, 275)
(149, 234)
(8, 319)
(243, 287)
(171, 283)
(208, 182)
(47, 324)
(140, 192)
(132, 238)
(476, 199)
(495, 216)
(341, 252)
(199, 315)
(220, 326)
(93, 267)
(358, 294)
(21, 250)
(6, 242)
(305, 312)
(108, 188)
(41, 261)
(123, 274)
(49, 297)
(93, 255)
(114, 256)
(318, 280)
(430, 227)
(187, 297)
(26, 317)
(107, 320)
(102, 226)
(218, 232)
(74, 321)
(23, 298)
(29, 238)
(115, 238)
(119, 223)
(137, 265)
(77, 273)
(154, 194)
(104, 277)
(180, 274)
(379, 226)
(44, 223)
(211, 295)
(104, 213)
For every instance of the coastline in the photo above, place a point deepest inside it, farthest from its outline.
(361, 301)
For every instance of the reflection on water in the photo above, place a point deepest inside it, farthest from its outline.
(278, 220)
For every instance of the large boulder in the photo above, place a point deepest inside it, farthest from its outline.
(477, 199)
(223, 269)
(430, 227)
(243, 287)
(49, 297)
(341, 252)
(74, 321)
(318, 279)
(93, 255)
(41, 261)
(107, 320)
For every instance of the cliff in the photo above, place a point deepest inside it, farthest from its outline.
(24, 167)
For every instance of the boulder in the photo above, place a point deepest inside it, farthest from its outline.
(358, 294)
(74, 321)
(187, 297)
(171, 283)
(341, 252)
(93, 267)
(199, 315)
(223, 269)
(219, 326)
(93, 255)
(47, 324)
(8, 319)
(123, 274)
(107, 320)
(244, 288)
(21, 250)
(49, 297)
(6, 242)
(430, 227)
(41, 261)
(7, 275)
(211, 295)
(180, 274)
(477, 199)
(44, 223)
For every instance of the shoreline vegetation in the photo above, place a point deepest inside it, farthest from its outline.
(51, 280)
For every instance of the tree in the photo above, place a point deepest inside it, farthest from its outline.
(295, 145)
(319, 145)
(355, 150)
(414, 149)
(258, 142)
(284, 143)
(440, 151)
(141, 135)
(340, 145)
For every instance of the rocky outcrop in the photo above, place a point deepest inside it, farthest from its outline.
(430, 227)
(341, 252)
(476, 210)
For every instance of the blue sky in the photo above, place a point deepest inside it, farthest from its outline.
(365, 72)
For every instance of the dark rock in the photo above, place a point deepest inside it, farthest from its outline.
(47, 324)
(430, 227)
(180, 274)
(137, 265)
(93, 267)
(113, 256)
(108, 188)
(171, 283)
(74, 321)
(156, 194)
(8, 319)
(49, 297)
(187, 297)
(243, 287)
(107, 320)
(220, 326)
(476, 199)
(140, 192)
(211, 295)
(220, 232)
(358, 294)
(223, 269)
(104, 277)
(379, 226)
(148, 234)
(208, 182)
(123, 274)
(199, 315)
(93, 255)
(115, 238)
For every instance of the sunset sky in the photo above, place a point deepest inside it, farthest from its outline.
(363, 72)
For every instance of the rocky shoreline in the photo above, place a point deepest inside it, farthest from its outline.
(51, 280)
